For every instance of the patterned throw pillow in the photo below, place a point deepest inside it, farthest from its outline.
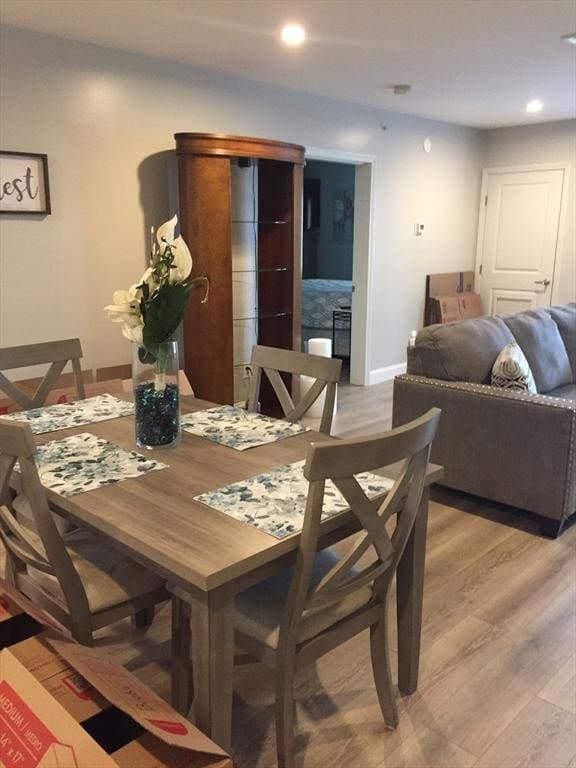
(511, 370)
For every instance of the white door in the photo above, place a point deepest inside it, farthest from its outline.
(520, 235)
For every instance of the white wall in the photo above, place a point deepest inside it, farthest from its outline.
(106, 119)
(545, 143)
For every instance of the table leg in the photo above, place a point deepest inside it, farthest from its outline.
(182, 679)
(409, 597)
(212, 631)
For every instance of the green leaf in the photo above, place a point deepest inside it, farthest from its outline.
(145, 356)
(164, 313)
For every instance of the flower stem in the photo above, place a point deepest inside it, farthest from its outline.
(160, 368)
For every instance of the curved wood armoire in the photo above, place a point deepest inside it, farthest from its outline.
(241, 215)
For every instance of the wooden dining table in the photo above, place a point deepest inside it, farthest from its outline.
(208, 556)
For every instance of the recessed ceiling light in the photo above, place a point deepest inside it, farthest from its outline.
(293, 34)
(570, 38)
(534, 106)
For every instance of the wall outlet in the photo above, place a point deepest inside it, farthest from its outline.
(419, 229)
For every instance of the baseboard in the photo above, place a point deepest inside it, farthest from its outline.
(386, 374)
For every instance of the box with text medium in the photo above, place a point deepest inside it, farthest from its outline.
(63, 705)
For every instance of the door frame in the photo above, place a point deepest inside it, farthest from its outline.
(364, 181)
(525, 168)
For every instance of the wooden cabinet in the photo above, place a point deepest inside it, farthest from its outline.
(241, 215)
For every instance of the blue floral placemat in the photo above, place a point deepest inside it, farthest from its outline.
(236, 428)
(275, 502)
(85, 462)
(76, 414)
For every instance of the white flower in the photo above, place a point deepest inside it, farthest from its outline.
(126, 304)
(165, 233)
(182, 264)
(182, 259)
(133, 333)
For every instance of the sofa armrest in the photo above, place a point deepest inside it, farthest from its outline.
(511, 447)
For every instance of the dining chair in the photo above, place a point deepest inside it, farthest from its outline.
(293, 618)
(272, 362)
(77, 578)
(57, 353)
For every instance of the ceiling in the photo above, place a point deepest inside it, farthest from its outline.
(471, 62)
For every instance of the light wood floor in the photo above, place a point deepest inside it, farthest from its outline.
(498, 670)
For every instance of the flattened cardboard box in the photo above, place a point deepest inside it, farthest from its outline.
(49, 685)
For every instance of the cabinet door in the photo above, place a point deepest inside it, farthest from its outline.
(205, 223)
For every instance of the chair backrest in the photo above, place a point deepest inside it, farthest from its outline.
(340, 462)
(273, 362)
(58, 353)
(23, 550)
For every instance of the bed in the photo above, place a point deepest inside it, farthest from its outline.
(320, 298)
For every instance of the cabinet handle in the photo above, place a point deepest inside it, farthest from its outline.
(544, 282)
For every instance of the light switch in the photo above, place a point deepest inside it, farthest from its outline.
(419, 229)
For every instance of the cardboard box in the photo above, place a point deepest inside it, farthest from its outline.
(449, 309)
(470, 305)
(448, 283)
(440, 287)
(458, 306)
(67, 706)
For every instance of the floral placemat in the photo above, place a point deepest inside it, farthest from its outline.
(238, 429)
(76, 414)
(275, 501)
(85, 462)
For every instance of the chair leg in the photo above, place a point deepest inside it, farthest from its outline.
(83, 634)
(379, 651)
(285, 712)
(143, 618)
(181, 662)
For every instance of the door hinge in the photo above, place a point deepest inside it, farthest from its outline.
(486, 200)
(480, 270)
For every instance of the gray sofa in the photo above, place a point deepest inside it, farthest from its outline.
(507, 446)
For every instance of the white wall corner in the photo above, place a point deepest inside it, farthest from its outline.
(379, 375)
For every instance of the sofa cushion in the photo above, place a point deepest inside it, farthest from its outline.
(565, 319)
(461, 351)
(567, 392)
(511, 370)
(539, 338)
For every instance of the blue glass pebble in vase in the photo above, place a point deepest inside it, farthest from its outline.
(156, 395)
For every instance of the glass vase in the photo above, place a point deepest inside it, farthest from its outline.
(156, 395)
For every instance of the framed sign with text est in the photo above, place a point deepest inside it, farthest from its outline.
(24, 187)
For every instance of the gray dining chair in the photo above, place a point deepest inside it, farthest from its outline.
(273, 362)
(77, 578)
(293, 618)
(56, 353)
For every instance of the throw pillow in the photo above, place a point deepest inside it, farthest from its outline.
(511, 370)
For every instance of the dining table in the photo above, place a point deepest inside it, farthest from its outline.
(207, 556)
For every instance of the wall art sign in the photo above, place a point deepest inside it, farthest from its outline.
(343, 221)
(24, 183)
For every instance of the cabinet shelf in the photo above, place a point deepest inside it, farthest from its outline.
(261, 221)
(261, 316)
(261, 269)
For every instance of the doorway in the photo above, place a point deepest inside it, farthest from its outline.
(337, 216)
(327, 257)
(519, 230)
